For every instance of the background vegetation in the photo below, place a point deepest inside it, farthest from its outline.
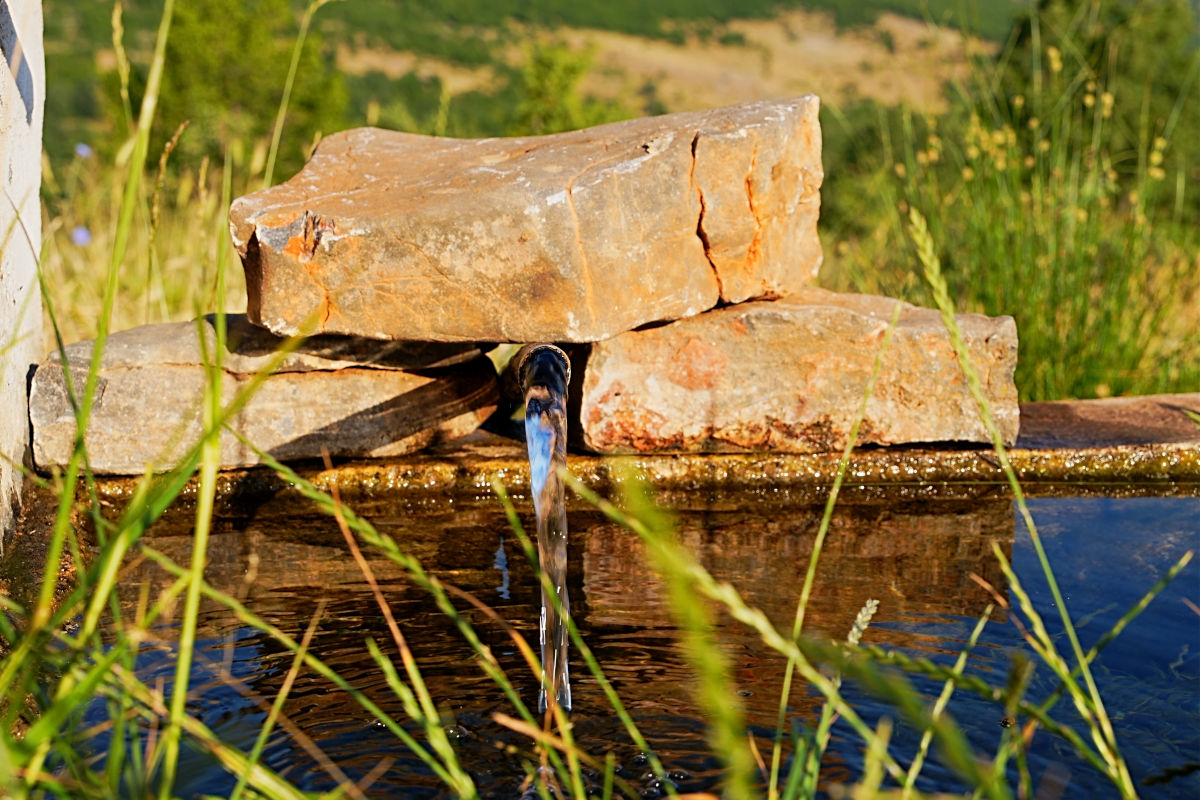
(1060, 179)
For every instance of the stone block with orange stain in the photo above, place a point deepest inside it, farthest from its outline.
(571, 237)
(790, 375)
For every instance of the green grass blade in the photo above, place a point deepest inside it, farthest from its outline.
(810, 574)
(728, 596)
(285, 101)
(939, 706)
(1090, 704)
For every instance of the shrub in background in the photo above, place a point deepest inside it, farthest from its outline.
(1046, 205)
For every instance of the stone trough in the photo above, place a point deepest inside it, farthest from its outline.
(674, 257)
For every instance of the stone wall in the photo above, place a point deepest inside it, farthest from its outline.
(673, 255)
(22, 92)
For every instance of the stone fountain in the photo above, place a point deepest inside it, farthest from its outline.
(673, 258)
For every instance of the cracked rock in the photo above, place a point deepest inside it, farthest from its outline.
(790, 375)
(345, 395)
(572, 237)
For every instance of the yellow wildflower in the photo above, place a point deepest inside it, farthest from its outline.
(1055, 57)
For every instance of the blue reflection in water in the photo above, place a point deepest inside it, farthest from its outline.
(501, 563)
(1106, 553)
(539, 435)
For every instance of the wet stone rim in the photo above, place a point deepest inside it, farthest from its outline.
(1109, 446)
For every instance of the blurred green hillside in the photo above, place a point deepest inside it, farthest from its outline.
(251, 39)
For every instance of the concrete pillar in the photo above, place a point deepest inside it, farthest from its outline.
(22, 92)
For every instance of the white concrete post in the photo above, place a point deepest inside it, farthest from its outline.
(22, 92)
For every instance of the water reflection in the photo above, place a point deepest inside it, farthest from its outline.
(916, 558)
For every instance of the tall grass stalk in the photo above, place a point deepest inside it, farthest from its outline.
(1038, 217)
(387, 547)
(311, 661)
(811, 764)
(939, 706)
(418, 702)
(285, 689)
(281, 115)
(610, 694)
(1087, 699)
(124, 224)
(263, 780)
(730, 598)
(715, 692)
(210, 464)
(955, 749)
(43, 606)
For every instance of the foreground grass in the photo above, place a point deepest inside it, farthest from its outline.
(177, 235)
(59, 661)
(65, 654)
(54, 669)
(64, 657)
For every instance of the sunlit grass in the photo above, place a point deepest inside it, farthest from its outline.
(169, 271)
(1024, 196)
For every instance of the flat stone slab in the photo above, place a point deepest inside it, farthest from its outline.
(349, 397)
(572, 237)
(790, 375)
(1115, 421)
(1112, 457)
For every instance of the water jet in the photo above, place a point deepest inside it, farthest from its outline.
(543, 372)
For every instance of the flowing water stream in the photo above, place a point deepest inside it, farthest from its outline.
(544, 371)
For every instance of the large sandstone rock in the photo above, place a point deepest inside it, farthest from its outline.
(790, 375)
(572, 237)
(348, 396)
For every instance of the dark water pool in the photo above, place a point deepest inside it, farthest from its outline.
(914, 557)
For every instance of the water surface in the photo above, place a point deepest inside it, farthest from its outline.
(916, 557)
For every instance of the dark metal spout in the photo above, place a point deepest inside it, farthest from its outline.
(543, 372)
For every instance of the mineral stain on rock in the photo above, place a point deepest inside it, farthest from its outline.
(697, 365)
